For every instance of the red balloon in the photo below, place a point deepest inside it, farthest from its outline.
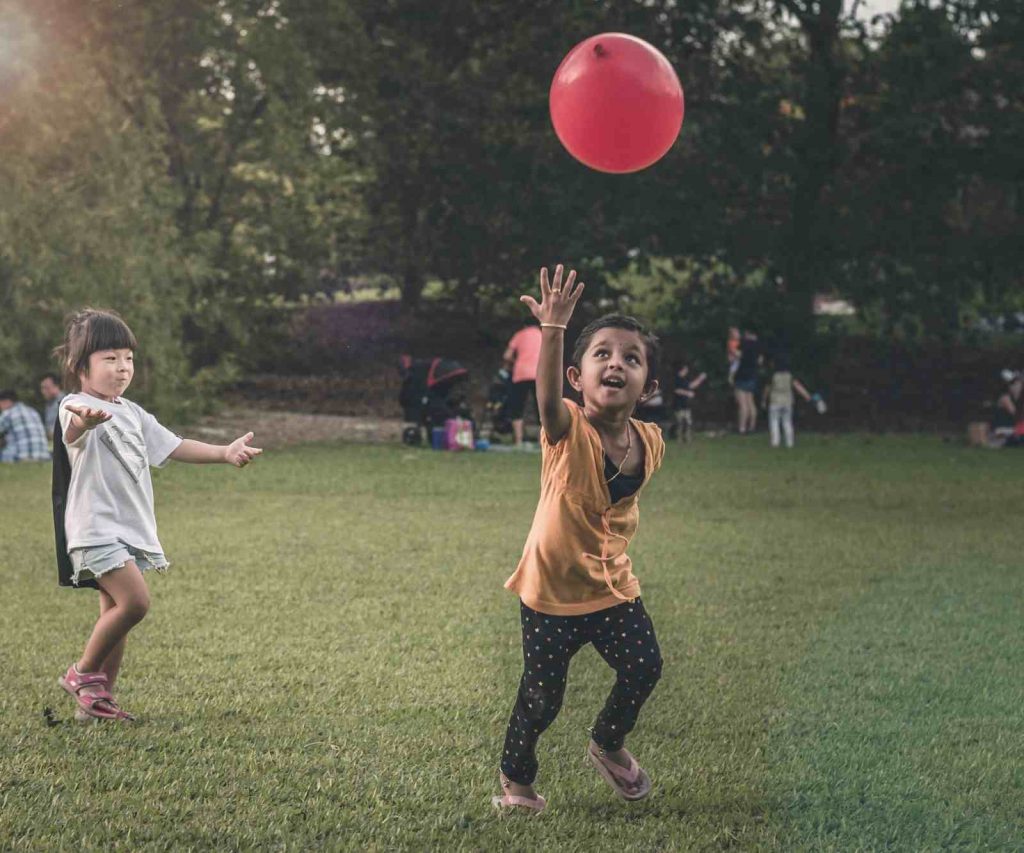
(616, 103)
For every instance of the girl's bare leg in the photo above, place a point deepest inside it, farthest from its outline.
(124, 600)
(112, 663)
(741, 411)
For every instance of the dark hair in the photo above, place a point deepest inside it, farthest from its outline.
(53, 377)
(9, 394)
(91, 330)
(781, 362)
(652, 346)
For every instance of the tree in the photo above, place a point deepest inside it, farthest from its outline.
(86, 220)
(929, 198)
(446, 104)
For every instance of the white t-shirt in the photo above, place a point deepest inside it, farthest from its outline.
(110, 496)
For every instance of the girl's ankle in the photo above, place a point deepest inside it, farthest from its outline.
(517, 788)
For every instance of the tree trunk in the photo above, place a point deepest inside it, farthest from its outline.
(412, 287)
(808, 257)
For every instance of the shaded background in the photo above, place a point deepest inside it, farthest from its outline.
(270, 189)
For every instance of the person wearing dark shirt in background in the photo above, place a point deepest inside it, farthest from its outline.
(683, 393)
(745, 383)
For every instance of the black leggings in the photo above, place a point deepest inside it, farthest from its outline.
(623, 635)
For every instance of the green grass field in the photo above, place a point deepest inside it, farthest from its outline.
(332, 659)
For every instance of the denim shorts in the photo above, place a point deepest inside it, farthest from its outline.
(97, 560)
(748, 385)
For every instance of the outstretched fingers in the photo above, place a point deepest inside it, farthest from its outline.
(241, 454)
(558, 296)
(556, 284)
(88, 414)
(531, 303)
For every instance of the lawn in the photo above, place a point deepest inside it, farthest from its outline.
(331, 661)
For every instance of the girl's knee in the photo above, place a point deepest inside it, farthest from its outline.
(540, 703)
(649, 672)
(136, 606)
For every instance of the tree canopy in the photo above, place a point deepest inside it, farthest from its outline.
(196, 164)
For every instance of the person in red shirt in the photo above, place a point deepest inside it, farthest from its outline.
(521, 357)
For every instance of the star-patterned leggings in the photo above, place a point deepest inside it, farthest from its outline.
(623, 635)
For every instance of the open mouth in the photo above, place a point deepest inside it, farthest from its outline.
(613, 382)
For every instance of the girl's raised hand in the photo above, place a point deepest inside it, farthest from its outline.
(239, 453)
(557, 299)
(88, 418)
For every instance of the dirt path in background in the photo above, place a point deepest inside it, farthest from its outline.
(279, 429)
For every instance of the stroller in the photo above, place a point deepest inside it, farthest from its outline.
(498, 421)
(433, 390)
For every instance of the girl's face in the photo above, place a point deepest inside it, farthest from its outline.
(109, 373)
(613, 371)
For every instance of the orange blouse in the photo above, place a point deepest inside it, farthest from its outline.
(575, 559)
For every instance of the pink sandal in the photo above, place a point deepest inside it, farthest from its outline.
(514, 801)
(83, 717)
(630, 783)
(91, 704)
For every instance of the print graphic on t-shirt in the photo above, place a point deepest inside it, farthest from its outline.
(127, 449)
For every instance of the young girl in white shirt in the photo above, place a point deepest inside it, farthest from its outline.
(105, 521)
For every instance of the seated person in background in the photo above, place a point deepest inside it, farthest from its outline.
(22, 431)
(49, 387)
(1008, 408)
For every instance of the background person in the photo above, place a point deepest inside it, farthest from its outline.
(521, 357)
(682, 397)
(49, 387)
(778, 396)
(732, 352)
(1007, 410)
(22, 431)
(745, 382)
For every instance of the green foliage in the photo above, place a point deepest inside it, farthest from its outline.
(695, 300)
(267, 151)
(928, 211)
(87, 219)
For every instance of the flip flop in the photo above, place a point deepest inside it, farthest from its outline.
(631, 783)
(82, 717)
(509, 802)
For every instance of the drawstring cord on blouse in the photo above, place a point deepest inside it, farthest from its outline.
(605, 558)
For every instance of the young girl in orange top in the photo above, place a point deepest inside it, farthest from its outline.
(575, 580)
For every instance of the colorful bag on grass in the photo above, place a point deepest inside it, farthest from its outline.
(459, 432)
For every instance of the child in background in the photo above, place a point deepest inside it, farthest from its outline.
(103, 496)
(683, 394)
(575, 581)
(778, 396)
(732, 352)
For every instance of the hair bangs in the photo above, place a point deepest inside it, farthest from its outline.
(88, 331)
(107, 331)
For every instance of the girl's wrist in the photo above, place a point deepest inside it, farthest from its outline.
(562, 326)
